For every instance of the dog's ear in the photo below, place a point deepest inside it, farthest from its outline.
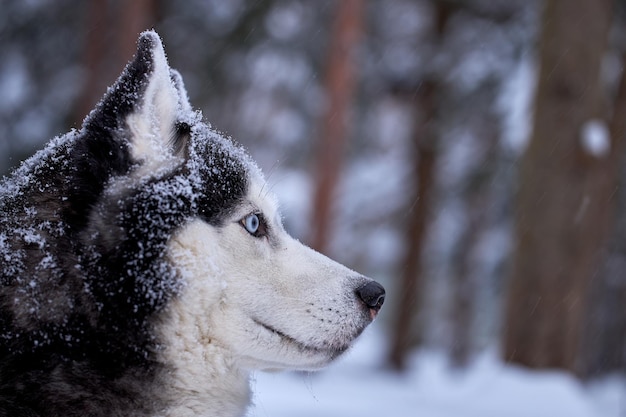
(141, 110)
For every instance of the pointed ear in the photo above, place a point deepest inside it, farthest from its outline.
(152, 124)
(142, 107)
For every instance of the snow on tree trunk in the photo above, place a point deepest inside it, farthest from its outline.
(564, 196)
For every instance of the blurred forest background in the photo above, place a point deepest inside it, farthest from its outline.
(469, 154)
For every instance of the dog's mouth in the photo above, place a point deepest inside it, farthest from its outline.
(331, 350)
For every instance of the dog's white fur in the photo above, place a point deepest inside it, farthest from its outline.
(238, 288)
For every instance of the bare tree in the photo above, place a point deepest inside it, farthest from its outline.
(340, 86)
(564, 198)
(605, 340)
(424, 151)
(425, 141)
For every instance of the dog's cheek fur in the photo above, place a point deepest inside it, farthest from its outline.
(203, 374)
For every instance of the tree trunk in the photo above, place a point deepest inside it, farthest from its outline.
(425, 156)
(95, 80)
(564, 193)
(112, 32)
(605, 340)
(340, 85)
(424, 145)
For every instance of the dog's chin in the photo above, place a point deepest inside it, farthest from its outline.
(294, 354)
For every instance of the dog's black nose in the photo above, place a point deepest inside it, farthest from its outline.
(372, 294)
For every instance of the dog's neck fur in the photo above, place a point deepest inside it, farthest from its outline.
(203, 378)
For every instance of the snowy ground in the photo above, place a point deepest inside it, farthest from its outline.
(357, 386)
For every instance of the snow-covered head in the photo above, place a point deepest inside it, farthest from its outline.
(156, 250)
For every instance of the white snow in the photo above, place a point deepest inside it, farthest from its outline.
(595, 138)
(359, 386)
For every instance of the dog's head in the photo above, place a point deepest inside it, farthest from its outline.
(202, 238)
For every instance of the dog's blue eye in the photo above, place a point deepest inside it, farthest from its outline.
(251, 222)
(255, 225)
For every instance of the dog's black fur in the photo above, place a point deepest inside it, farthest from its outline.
(84, 271)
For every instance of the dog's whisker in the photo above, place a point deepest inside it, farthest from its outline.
(271, 171)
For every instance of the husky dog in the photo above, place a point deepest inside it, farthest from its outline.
(145, 269)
